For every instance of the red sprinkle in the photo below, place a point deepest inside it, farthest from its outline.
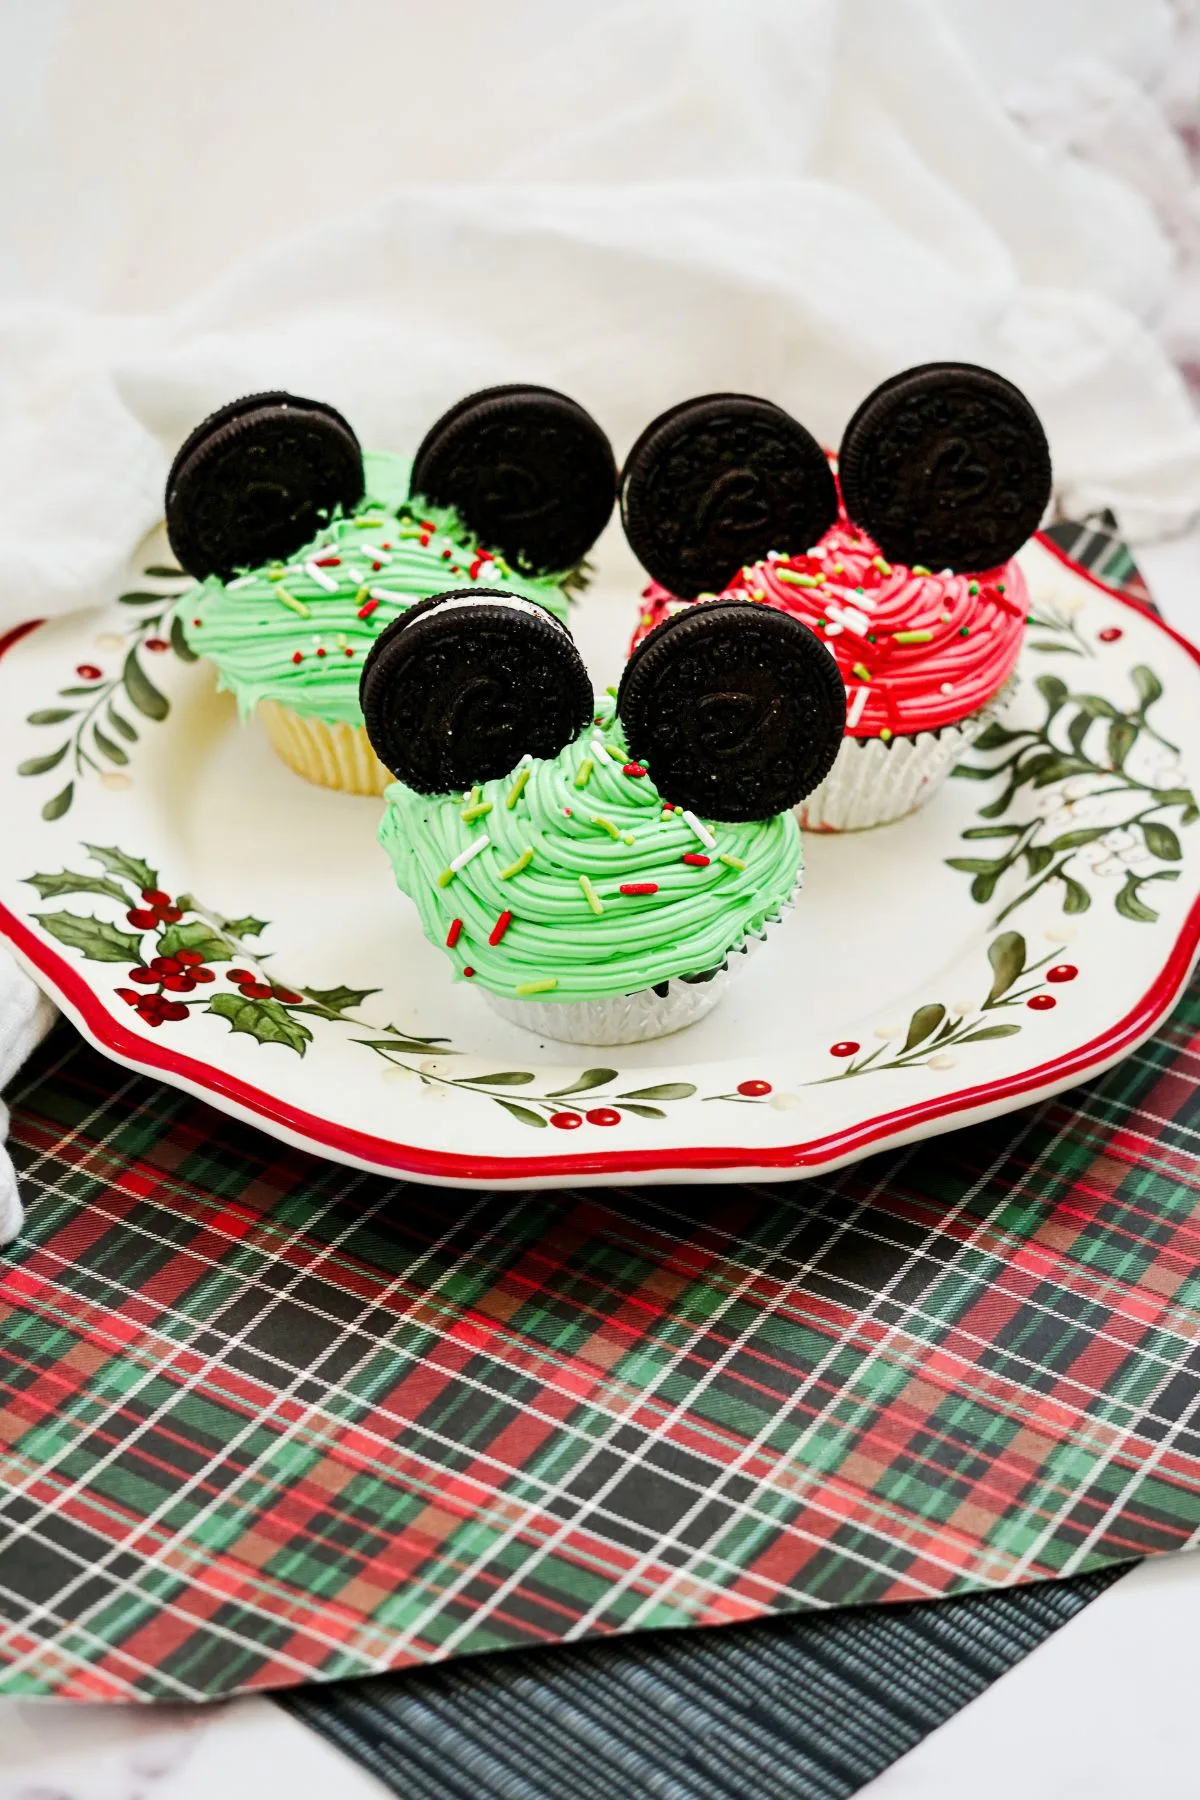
(297, 656)
(500, 927)
(322, 651)
(633, 769)
(468, 971)
(349, 652)
(195, 621)
(446, 555)
(377, 566)
(454, 933)
(639, 887)
(367, 608)
(328, 562)
(694, 857)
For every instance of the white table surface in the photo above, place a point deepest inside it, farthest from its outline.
(1103, 1710)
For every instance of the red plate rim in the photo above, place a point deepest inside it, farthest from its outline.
(306, 1130)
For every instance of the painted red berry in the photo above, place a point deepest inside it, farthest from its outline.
(130, 996)
(239, 976)
(203, 975)
(289, 996)
(1110, 634)
(174, 1009)
(189, 958)
(847, 1047)
(179, 984)
(155, 897)
(603, 1115)
(566, 1121)
(256, 990)
(1062, 972)
(753, 1089)
(146, 976)
(157, 643)
(150, 1018)
(169, 914)
(166, 965)
(1041, 1002)
(143, 919)
(88, 672)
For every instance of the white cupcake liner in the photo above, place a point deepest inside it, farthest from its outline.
(873, 783)
(635, 1018)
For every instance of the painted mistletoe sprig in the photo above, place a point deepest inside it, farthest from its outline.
(1097, 792)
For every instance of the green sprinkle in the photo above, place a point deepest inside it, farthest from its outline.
(629, 838)
(290, 600)
(537, 987)
(795, 580)
(733, 862)
(478, 811)
(964, 631)
(364, 593)
(607, 825)
(882, 564)
(584, 772)
(973, 588)
(446, 877)
(618, 756)
(514, 868)
(612, 691)
(920, 569)
(862, 671)
(707, 596)
(276, 574)
(999, 587)
(886, 735)
(912, 637)
(590, 895)
(516, 790)
(367, 524)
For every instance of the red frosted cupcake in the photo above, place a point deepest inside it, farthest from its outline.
(906, 575)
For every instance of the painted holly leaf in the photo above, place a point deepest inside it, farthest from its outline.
(121, 724)
(265, 1020)
(591, 1078)
(41, 765)
(1076, 898)
(643, 1112)
(96, 938)
(50, 715)
(1122, 736)
(1149, 687)
(163, 572)
(409, 1046)
(194, 934)
(1075, 840)
(1007, 957)
(1038, 857)
(995, 736)
(523, 1113)
(55, 808)
(665, 1090)
(989, 1031)
(180, 645)
(1161, 840)
(108, 747)
(141, 690)
(506, 1078)
(992, 831)
(1053, 691)
(247, 927)
(118, 863)
(1129, 902)
(923, 1024)
(332, 1003)
(49, 887)
(1049, 649)
(141, 599)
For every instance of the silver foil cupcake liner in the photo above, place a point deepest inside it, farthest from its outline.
(636, 1018)
(873, 783)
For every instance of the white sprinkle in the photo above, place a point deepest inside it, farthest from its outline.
(702, 832)
(374, 554)
(241, 582)
(774, 556)
(833, 631)
(384, 594)
(472, 850)
(321, 576)
(488, 571)
(946, 572)
(601, 754)
(947, 687)
(857, 706)
(851, 618)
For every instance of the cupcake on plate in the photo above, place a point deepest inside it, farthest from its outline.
(305, 549)
(898, 553)
(598, 869)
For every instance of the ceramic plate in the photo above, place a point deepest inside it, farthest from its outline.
(1026, 929)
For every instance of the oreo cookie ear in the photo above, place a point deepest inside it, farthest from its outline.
(528, 471)
(461, 686)
(946, 465)
(256, 480)
(737, 710)
(715, 483)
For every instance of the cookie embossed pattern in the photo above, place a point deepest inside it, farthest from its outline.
(383, 1062)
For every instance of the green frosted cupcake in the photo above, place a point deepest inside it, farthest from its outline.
(601, 883)
(288, 630)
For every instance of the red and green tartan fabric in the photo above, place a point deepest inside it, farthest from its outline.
(264, 1419)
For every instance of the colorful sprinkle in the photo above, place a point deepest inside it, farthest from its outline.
(912, 637)
(584, 773)
(886, 735)
(316, 573)
(920, 569)
(858, 706)
(607, 825)
(500, 927)
(514, 868)
(881, 563)
(468, 971)
(473, 849)
(479, 810)
(590, 895)
(732, 862)
(696, 859)
(632, 768)
(365, 611)
(600, 752)
(328, 562)
(378, 556)
(701, 831)
(290, 600)
(454, 933)
(862, 671)
(517, 789)
(973, 587)
(795, 580)
(639, 887)
(537, 987)
(297, 656)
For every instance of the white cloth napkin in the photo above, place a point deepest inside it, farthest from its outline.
(25, 1018)
(386, 204)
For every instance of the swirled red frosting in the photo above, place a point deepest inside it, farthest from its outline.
(917, 650)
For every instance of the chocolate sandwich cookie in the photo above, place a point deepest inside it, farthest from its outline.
(738, 710)
(715, 483)
(463, 685)
(256, 480)
(946, 466)
(527, 469)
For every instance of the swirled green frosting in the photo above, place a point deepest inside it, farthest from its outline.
(297, 632)
(564, 838)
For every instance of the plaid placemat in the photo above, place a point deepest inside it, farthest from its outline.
(263, 1418)
(812, 1708)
